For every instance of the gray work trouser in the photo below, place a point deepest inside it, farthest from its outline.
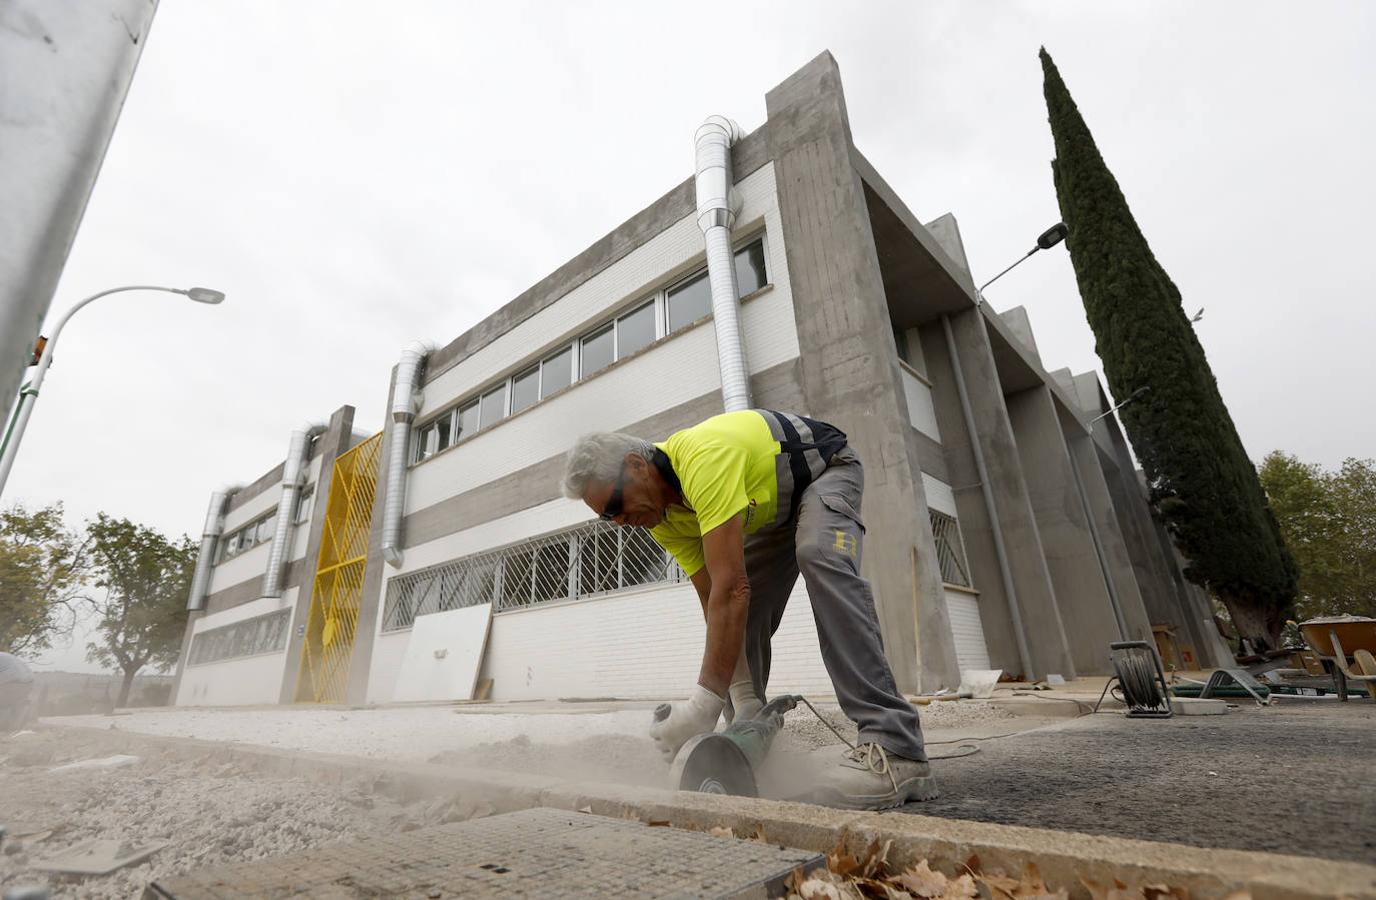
(823, 543)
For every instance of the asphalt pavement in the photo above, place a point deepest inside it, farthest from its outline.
(1297, 777)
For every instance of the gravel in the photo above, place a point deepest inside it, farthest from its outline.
(210, 814)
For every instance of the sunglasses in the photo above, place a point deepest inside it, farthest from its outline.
(615, 502)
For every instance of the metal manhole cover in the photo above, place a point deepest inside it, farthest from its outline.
(544, 852)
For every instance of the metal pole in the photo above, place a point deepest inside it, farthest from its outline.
(29, 396)
(1005, 572)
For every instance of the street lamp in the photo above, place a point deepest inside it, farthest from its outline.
(23, 408)
(1130, 397)
(1045, 241)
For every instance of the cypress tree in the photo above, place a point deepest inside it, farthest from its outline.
(1200, 481)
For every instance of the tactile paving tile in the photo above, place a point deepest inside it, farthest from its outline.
(534, 852)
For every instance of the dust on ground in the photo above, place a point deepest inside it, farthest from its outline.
(633, 759)
(209, 813)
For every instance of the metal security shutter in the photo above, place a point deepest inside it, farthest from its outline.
(966, 630)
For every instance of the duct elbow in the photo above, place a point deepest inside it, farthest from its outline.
(712, 145)
(393, 556)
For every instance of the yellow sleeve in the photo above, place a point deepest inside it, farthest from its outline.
(713, 481)
(687, 550)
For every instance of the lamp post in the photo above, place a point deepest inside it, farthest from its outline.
(28, 394)
(1045, 241)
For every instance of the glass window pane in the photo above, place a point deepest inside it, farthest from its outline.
(516, 580)
(468, 421)
(551, 571)
(493, 406)
(597, 351)
(265, 530)
(525, 389)
(750, 275)
(635, 330)
(689, 302)
(444, 431)
(305, 501)
(597, 562)
(642, 560)
(557, 372)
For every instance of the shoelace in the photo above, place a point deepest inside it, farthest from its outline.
(872, 758)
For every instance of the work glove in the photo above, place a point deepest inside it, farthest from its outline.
(745, 704)
(675, 723)
(741, 700)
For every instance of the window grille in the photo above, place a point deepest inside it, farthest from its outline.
(250, 637)
(950, 550)
(592, 559)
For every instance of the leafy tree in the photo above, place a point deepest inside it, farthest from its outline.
(146, 577)
(44, 568)
(1329, 521)
(1200, 479)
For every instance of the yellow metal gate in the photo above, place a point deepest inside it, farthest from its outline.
(339, 576)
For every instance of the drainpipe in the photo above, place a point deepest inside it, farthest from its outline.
(406, 400)
(210, 539)
(716, 215)
(1005, 572)
(293, 473)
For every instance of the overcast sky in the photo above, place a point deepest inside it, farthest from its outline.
(357, 175)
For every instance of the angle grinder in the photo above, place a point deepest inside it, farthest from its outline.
(724, 762)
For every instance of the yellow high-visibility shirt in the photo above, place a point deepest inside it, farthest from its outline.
(736, 463)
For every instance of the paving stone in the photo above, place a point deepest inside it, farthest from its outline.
(538, 852)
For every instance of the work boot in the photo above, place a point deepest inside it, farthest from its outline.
(870, 778)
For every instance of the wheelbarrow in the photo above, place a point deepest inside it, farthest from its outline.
(1337, 639)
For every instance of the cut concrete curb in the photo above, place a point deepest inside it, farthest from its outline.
(1065, 859)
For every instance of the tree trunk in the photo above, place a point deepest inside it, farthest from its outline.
(1259, 624)
(124, 687)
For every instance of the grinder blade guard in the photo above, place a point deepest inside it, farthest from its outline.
(724, 762)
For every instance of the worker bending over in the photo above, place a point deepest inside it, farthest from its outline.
(746, 501)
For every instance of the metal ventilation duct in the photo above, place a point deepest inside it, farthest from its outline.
(716, 216)
(210, 539)
(293, 472)
(406, 400)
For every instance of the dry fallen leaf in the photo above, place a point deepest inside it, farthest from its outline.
(1118, 891)
(1164, 892)
(962, 888)
(922, 881)
(816, 889)
(658, 823)
(721, 831)
(876, 860)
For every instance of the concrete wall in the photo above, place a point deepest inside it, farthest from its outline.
(1035, 594)
(1082, 594)
(850, 366)
(235, 682)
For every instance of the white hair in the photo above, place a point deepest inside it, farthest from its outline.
(599, 457)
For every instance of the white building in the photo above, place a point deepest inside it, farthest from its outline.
(1005, 528)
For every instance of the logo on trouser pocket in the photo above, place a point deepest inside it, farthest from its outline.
(846, 543)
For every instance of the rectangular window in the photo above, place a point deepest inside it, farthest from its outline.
(556, 372)
(750, 275)
(689, 302)
(525, 389)
(516, 583)
(305, 502)
(635, 330)
(950, 550)
(597, 351)
(261, 634)
(265, 529)
(468, 420)
(493, 407)
(444, 431)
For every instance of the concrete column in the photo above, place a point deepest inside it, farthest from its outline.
(1086, 460)
(1035, 593)
(334, 441)
(850, 366)
(1082, 591)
